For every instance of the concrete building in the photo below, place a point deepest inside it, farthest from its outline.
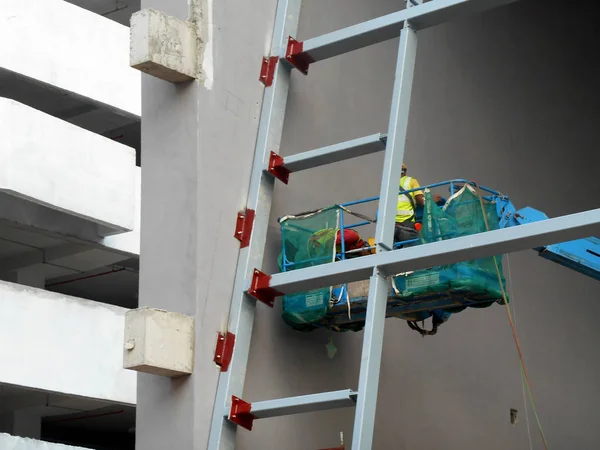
(70, 109)
(507, 97)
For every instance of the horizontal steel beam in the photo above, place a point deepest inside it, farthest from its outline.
(302, 404)
(508, 240)
(437, 12)
(335, 153)
(388, 27)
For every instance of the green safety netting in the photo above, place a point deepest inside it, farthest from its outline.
(464, 214)
(308, 239)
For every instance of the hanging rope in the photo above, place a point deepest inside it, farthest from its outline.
(360, 216)
(514, 310)
(512, 326)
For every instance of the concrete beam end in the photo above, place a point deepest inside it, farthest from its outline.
(159, 342)
(164, 46)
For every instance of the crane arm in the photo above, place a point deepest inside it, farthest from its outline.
(581, 255)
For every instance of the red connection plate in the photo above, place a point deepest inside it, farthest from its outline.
(296, 56)
(267, 70)
(260, 290)
(278, 169)
(240, 413)
(243, 227)
(224, 350)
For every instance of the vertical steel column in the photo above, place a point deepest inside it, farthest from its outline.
(260, 195)
(370, 364)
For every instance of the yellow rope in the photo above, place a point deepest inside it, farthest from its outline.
(512, 325)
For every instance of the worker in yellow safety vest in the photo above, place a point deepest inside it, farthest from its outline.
(406, 209)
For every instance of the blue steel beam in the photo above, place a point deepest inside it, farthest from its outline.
(388, 27)
(260, 195)
(302, 404)
(335, 153)
(372, 349)
(482, 245)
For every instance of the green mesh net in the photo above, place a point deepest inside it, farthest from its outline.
(477, 280)
(308, 240)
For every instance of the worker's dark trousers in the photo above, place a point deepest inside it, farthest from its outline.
(405, 231)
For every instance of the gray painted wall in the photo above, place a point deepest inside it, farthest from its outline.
(198, 146)
(509, 99)
(500, 98)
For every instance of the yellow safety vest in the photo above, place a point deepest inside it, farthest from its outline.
(404, 210)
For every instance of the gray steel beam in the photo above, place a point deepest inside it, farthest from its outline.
(335, 153)
(388, 27)
(302, 404)
(370, 366)
(482, 245)
(260, 195)
(436, 12)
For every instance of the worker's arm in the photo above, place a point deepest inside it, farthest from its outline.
(437, 198)
(419, 197)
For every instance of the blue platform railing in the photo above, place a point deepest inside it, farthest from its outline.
(453, 187)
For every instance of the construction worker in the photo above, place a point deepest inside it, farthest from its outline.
(406, 227)
(406, 209)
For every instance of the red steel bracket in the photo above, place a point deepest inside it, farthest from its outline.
(260, 290)
(295, 55)
(224, 350)
(243, 227)
(267, 70)
(277, 168)
(240, 413)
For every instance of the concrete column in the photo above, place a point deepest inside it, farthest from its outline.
(32, 276)
(21, 423)
(29, 276)
(197, 149)
(27, 425)
(5, 422)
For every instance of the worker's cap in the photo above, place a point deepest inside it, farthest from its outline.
(403, 166)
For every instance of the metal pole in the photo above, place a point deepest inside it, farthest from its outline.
(396, 138)
(370, 366)
(260, 196)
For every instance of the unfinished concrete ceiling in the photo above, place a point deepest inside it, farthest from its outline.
(117, 10)
(69, 416)
(93, 274)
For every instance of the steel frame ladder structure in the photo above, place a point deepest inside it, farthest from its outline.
(251, 284)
